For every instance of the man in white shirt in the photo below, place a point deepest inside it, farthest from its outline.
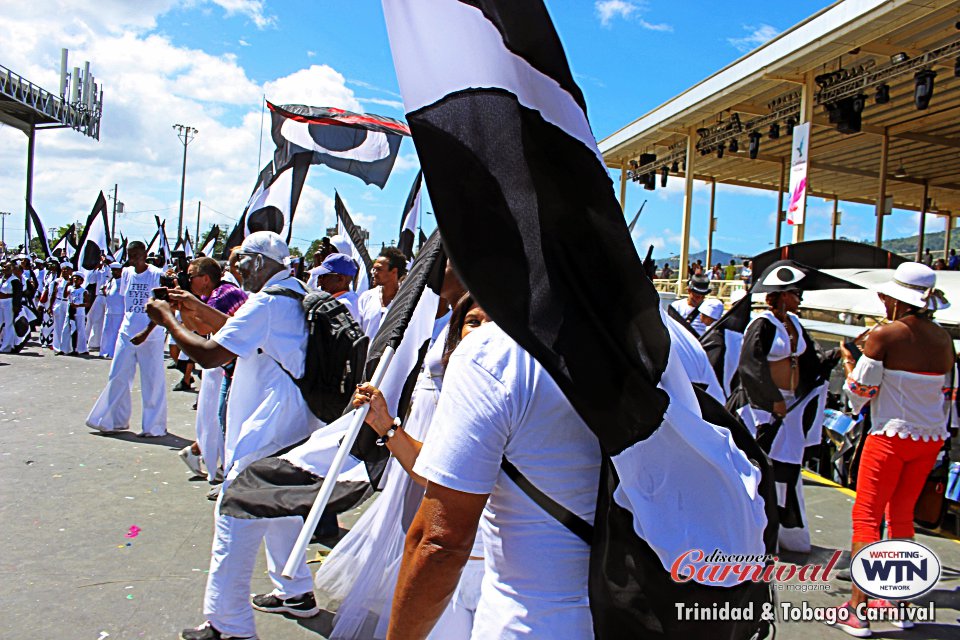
(698, 287)
(385, 275)
(334, 276)
(111, 413)
(265, 413)
(7, 334)
(497, 402)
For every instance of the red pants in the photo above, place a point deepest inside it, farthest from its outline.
(892, 473)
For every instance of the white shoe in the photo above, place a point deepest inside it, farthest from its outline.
(192, 461)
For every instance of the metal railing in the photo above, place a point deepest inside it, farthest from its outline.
(75, 116)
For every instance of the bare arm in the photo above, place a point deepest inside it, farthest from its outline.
(196, 314)
(207, 353)
(403, 447)
(437, 547)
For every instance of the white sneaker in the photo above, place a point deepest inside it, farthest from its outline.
(192, 461)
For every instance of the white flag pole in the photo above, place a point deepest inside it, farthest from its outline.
(330, 480)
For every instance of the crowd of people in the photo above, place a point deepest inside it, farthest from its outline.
(239, 327)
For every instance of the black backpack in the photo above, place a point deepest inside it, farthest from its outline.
(336, 352)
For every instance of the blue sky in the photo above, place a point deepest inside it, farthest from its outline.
(206, 62)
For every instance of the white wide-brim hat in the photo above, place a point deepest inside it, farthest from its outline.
(916, 285)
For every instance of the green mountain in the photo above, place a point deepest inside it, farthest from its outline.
(932, 241)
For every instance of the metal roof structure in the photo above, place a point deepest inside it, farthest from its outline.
(827, 70)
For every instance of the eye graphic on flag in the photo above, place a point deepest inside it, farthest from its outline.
(340, 142)
(783, 276)
(361, 144)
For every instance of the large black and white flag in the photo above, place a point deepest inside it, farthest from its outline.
(273, 203)
(358, 249)
(411, 218)
(154, 243)
(41, 231)
(723, 340)
(95, 241)
(288, 483)
(523, 200)
(361, 144)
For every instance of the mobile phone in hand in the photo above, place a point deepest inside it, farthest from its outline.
(160, 293)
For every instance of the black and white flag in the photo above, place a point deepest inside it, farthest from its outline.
(95, 241)
(273, 203)
(723, 340)
(63, 245)
(411, 218)
(211, 241)
(41, 231)
(187, 245)
(358, 249)
(523, 200)
(288, 483)
(363, 145)
(163, 246)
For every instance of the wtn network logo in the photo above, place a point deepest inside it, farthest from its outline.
(895, 569)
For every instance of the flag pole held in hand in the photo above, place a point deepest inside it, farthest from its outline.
(330, 480)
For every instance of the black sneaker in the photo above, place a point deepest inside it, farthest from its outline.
(207, 632)
(302, 606)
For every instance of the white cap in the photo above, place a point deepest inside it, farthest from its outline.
(66, 265)
(342, 244)
(915, 284)
(116, 265)
(266, 243)
(712, 308)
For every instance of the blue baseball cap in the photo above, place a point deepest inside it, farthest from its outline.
(338, 263)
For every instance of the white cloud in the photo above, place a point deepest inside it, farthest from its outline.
(404, 163)
(318, 85)
(252, 9)
(394, 104)
(243, 43)
(610, 10)
(311, 54)
(758, 35)
(150, 83)
(607, 10)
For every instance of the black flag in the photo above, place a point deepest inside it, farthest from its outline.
(411, 217)
(524, 203)
(363, 145)
(62, 245)
(358, 249)
(96, 238)
(41, 231)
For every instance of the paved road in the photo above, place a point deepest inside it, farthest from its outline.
(69, 496)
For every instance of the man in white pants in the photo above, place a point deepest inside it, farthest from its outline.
(61, 309)
(113, 318)
(111, 413)
(95, 316)
(265, 413)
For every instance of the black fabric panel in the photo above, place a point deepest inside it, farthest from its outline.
(632, 596)
(791, 516)
(41, 232)
(352, 231)
(753, 371)
(522, 207)
(715, 344)
(407, 236)
(527, 31)
(274, 488)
